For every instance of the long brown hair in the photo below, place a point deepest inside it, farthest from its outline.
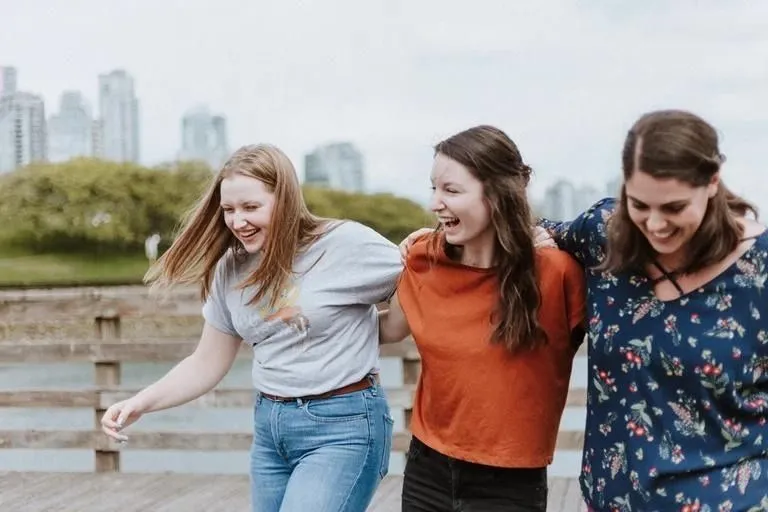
(680, 145)
(204, 237)
(493, 158)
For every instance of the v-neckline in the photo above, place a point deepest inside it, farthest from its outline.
(713, 281)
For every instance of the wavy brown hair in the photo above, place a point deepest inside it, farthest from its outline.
(493, 158)
(204, 237)
(679, 145)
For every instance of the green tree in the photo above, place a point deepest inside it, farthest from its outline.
(392, 216)
(87, 204)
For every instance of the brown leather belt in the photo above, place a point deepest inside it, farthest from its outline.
(364, 383)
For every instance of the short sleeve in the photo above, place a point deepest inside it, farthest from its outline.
(215, 310)
(370, 264)
(585, 237)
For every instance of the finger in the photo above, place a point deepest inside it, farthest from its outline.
(109, 419)
(114, 434)
(123, 416)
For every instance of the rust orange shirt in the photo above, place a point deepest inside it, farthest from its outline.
(475, 401)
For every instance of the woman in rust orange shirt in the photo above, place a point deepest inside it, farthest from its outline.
(497, 323)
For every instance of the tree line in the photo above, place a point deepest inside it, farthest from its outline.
(87, 205)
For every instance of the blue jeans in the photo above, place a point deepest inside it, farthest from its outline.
(326, 455)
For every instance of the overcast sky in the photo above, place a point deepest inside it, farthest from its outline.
(565, 79)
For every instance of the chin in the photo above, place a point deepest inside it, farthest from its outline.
(454, 240)
(667, 249)
(253, 248)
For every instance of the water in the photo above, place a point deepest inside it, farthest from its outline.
(74, 376)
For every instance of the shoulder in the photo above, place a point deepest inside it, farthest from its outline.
(350, 231)
(420, 255)
(227, 268)
(557, 268)
(601, 211)
(556, 261)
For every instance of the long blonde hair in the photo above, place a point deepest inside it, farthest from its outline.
(204, 237)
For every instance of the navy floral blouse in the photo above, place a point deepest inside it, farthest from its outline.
(677, 393)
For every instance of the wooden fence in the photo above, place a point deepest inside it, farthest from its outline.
(107, 350)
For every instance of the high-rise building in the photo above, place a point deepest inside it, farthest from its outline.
(339, 166)
(204, 138)
(119, 116)
(8, 80)
(564, 201)
(97, 142)
(70, 131)
(22, 130)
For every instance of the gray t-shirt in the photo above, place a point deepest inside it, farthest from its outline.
(323, 332)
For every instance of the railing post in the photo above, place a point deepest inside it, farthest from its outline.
(411, 372)
(106, 374)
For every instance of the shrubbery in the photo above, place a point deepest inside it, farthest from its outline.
(89, 205)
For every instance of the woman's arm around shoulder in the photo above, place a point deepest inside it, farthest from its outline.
(393, 326)
(584, 237)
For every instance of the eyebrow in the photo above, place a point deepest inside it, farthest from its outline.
(677, 202)
(446, 183)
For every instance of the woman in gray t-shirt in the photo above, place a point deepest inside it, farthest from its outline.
(301, 291)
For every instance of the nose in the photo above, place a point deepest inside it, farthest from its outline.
(238, 222)
(436, 202)
(655, 222)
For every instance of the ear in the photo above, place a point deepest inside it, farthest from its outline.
(714, 185)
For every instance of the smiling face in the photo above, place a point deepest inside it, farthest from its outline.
(247, 204)
(458, 200)
(668, 212)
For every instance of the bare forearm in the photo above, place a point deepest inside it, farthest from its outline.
(190, 379)
(195, 375)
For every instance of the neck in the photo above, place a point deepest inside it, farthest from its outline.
(478, 254)
(672, 262)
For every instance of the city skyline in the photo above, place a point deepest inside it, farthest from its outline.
(394, 78)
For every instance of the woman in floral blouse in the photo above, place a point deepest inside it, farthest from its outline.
(678, 335)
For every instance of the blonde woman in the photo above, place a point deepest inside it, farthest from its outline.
(301, 291)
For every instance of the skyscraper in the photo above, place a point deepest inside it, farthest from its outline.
(70, 131)
(119, 117)
(8, 80)
(339, 166)
(22, 130)
(204, 137)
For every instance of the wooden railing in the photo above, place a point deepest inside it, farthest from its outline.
(108, 350)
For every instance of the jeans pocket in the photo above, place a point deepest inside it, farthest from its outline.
(337, 409)
(387, 449)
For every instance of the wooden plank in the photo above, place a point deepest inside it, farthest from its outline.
(398, 398)
(195, 441)
(131, 351)
(43, 439)
(49, 398)
(36, 351)
(168, 492)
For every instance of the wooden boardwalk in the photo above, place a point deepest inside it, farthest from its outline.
(165, 492)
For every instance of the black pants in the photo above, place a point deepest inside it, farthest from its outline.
(434, 482)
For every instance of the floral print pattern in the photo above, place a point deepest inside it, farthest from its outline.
(677, 391)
